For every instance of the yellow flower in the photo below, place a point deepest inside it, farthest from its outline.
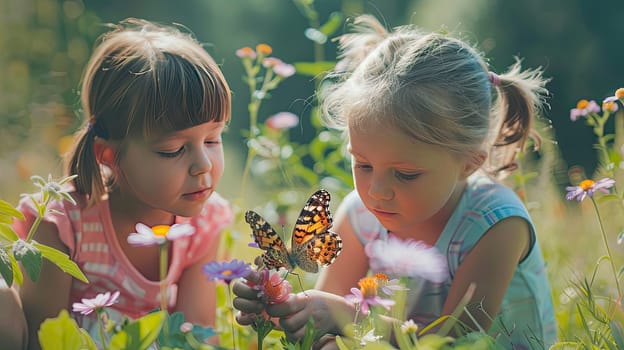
(368, 287)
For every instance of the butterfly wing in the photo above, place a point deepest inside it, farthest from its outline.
(275, 253)
(312, 242)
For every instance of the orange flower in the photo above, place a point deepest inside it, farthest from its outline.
(264, 49)
(619, 93)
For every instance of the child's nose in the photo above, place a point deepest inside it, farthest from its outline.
(380, 190)
(201, 164)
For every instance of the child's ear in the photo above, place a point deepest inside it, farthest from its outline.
(473, 162)
(105, 153)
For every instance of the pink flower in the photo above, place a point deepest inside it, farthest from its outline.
(409, 258)
(282, 120)
(271, 62)
(583, 108)
(186, 327)
(272, 287)
(101, 300)
(246, 52)
(284, 70)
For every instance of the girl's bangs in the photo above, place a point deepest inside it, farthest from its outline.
(182, 94)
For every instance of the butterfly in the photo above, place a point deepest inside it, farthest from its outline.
(312, 242)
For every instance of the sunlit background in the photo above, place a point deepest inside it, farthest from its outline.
(45, 43)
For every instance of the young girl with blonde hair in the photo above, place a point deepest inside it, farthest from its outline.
(430, 130)
(149, 152)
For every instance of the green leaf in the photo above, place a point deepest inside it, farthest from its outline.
(333, 24)
(140, 334)
(62, 333)
(61, 260)
(7, 232)
(313, 69)
(18, 277)
(434, 341)
(29, 256)
(8, 212)
(341, 344)
(6, 267)
(476, 341)
(618, 333)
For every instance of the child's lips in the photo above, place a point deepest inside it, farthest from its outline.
(383, 212)
(200, 194)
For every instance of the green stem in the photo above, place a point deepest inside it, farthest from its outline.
(101, 329)
(163, 289)
(606, 243)
(35, 225)
(229, 295)
(260, 340)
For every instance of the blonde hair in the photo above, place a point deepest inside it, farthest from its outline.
(435, 88)
(143, 78)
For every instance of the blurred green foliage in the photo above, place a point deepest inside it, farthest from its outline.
(44, 45)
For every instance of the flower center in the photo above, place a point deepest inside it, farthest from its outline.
(382, 277)
(587, 185)
(582, 104)
(226, 272)
(161, 230)
(368, 287)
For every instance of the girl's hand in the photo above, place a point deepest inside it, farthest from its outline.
(329, 312)
(247, 300)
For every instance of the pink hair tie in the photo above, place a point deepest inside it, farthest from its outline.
(494, 79)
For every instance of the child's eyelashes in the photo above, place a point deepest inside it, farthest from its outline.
(362, 166)
(171, 154)
(180, 150)
(406, 176)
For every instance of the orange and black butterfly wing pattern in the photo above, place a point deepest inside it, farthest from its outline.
(312, 242)
(275, 252)
(326, 248)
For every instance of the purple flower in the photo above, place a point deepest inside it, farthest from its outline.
(583, 108)
(159, 234)
(226, 271)
(367, 295)
(406, 258)
(101, 300)
(588, 187)
(282, 120)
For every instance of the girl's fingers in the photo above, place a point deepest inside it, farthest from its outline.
(245, 319)
(241, 289)
(295, 336)
(248, 306)
(293, 304)
(296, 322)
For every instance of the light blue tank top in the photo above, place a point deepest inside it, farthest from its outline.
(526, 318)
